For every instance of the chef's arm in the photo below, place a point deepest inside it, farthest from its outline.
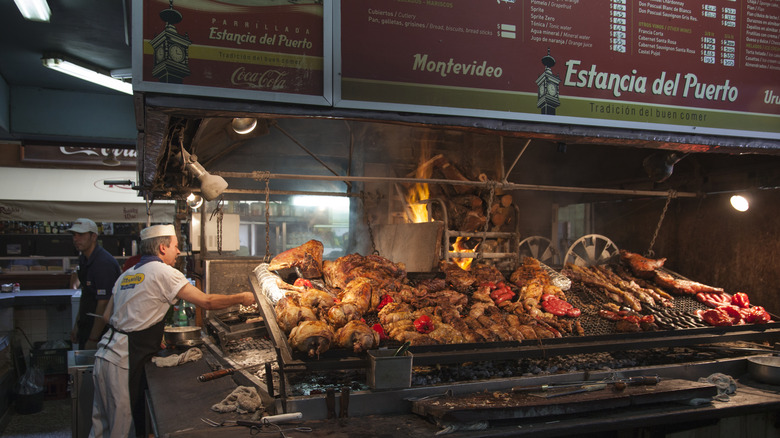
(100, 323)
(214, 301)
(108, 310)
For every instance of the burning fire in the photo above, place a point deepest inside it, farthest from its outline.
(460, 245)
(418, 209)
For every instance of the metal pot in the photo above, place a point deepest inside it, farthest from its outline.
(183, 336)
(765, 369)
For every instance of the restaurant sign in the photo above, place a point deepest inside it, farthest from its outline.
(262, 50)
(672, 65)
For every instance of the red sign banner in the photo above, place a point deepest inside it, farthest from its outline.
(710, 67)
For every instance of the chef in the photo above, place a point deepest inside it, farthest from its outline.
(136, 319)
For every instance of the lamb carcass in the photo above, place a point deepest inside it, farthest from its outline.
(307, 259)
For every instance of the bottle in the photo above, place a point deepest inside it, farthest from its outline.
(180, 315)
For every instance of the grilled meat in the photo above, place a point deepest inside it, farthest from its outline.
(461, 280)
(357, 336)
(312, 337)
(306, 259)
(316, 299)
(641, 266)
(289, 313)
(338, 273)
(683, 286)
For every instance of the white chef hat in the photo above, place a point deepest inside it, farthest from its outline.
(83, 225)
(158, 231)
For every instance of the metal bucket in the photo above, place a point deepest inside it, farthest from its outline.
(387, 371)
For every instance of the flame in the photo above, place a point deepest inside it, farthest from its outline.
(460, 246)
(419, 210)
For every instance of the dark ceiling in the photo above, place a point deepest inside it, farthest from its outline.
(92, 31)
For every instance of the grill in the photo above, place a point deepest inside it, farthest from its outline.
(601, 336)
(230, 326)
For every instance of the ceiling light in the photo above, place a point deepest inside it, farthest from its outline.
(34, 10)
(87, 74)
(740, 203)
(244, 125)
(211, 186)
(194, 201)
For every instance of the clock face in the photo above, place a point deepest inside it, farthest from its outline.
(177, 53)
(551, 88)
(159, 54)
(541, 89)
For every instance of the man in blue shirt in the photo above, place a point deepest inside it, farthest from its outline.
(98, 271)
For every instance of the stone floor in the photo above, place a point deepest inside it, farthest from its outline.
(53, 421)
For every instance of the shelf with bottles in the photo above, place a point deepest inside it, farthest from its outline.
(38, 265)
(55, 227)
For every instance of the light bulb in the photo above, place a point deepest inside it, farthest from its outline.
(740, 203)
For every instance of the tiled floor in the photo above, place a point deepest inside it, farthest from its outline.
(54, 421)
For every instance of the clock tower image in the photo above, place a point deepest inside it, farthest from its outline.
(548, 84)
(171, 57)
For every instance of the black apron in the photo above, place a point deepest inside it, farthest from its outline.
(142, 345)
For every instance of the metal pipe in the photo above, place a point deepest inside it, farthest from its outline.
(486, 184)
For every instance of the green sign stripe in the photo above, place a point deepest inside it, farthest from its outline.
(517, 102)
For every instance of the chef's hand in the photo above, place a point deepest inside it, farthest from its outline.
(247, 298)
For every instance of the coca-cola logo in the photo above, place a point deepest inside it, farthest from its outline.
(99, 152)
(271, 80)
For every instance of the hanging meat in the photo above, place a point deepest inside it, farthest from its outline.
(305, 259)
(312, 337)
(641, 266)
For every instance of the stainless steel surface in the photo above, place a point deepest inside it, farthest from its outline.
(80, 369)
(765, 369)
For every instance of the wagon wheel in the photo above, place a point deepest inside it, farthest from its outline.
(589, 250)
(539, 248)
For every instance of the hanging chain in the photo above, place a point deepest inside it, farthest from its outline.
(219, 212)
(481, 249)
(367, 218)
(650, 252)
(267, 258)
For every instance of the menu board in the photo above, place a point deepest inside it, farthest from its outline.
(709, 66)
(258, 50)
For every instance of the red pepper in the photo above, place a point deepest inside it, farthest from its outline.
(302, 282)
(423, 324)
(378, 328)
(386, 299)
(501, 298)
(740, 299)
(758, 315)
